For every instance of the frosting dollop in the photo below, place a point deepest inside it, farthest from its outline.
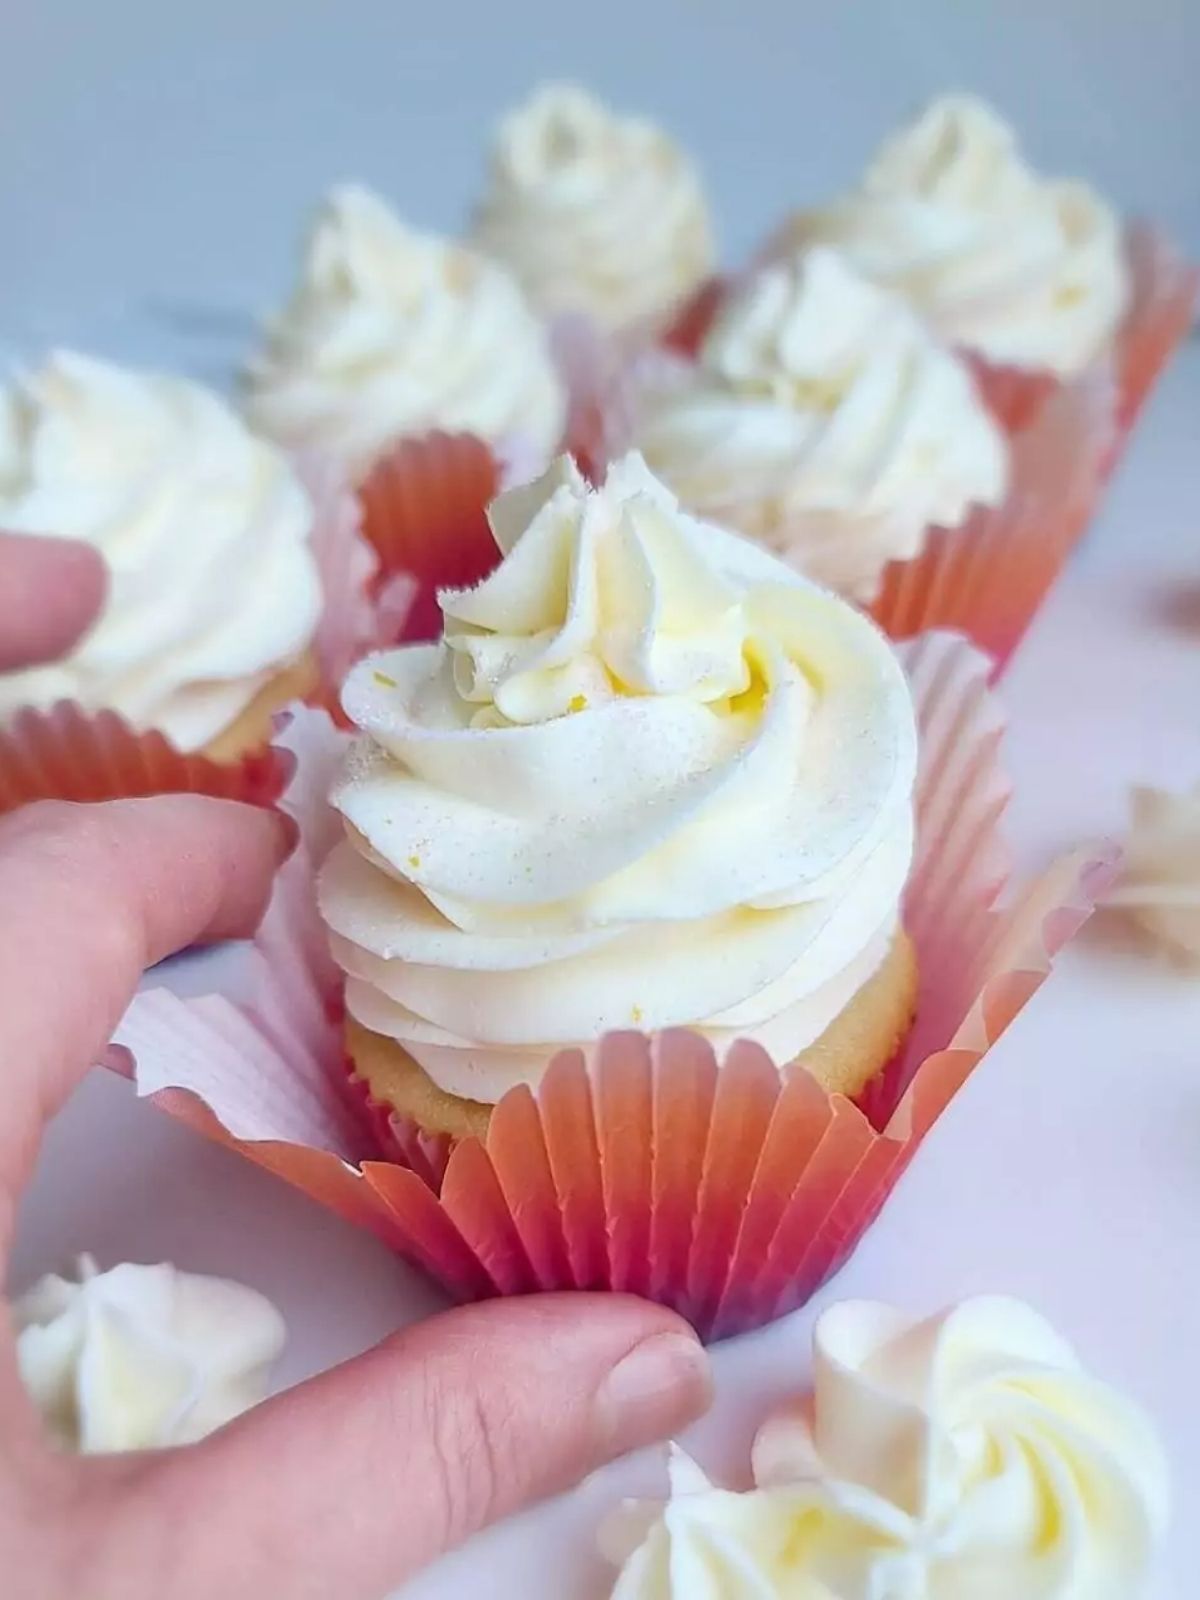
(204, 529)
(1160, 883)
(965, 1457)
(649, 778)
(1029, 271)
(138, 1358)
(706, 1543)
(392, 332)
(594, 212)
(826, 421)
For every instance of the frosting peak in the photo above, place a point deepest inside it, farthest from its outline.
(392, 332)
(649, 778)
(137, 1358)
(1029, 271)
(826, 421)
(204, 529)
(593, 211)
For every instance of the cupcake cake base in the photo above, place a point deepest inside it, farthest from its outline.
(856, 1046)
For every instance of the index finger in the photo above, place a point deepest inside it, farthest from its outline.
(50, 592)
(91, 895)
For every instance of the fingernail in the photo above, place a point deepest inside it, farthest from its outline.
(661, 1386)
(289, 834)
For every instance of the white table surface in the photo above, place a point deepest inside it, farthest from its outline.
(178, 142)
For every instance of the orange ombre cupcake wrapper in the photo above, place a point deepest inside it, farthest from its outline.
(725, 1190)
(424, 508)
(988, 577)
(66, 753)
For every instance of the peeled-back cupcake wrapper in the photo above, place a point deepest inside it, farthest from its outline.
(722, 1190)
(67, 753)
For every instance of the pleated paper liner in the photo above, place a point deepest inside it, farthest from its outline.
(988, 577)
(424, 509)
(719, 1189)
(65, 753)
(68, 753)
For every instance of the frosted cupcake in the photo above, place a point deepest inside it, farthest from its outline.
(391, 333)
(648, 779)
(825, 421)
(1035, 276)
(418, 367)
(595, 212)
(213, 596)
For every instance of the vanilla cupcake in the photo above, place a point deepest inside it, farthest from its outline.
(825, 421)
(392, 334)
(648, 779)
(1026, 271)
(595, 212)
(213, 594)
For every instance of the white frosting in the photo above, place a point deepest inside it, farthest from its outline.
(391, 332)
(706, 1543)
(594, 212)
(825, 420)
(142, 1357)
(650, 778)
(1027, 270)
(966, 1457)
(204, 530)
(1160, 885)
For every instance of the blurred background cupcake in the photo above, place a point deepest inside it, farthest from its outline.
(416, 364)
(648, 779)
(1036, 278)
(825, 421)
(214, 594)
(596, 213)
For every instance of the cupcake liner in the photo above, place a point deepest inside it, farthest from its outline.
(66, 753)
(723, 1190)
(988, 577)
(424, 510)
(351, 623)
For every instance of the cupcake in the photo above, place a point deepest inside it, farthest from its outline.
(826, 422)
(648, 779)
(1033, 276)
(214, 594)
(595, 213)
(391, 334)
(416, 365)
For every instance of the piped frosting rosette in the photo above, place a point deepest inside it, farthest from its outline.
(650, 778)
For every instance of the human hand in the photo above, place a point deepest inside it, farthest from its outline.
(50, 592)
(350, 1482)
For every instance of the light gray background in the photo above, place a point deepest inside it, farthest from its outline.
(155, 163)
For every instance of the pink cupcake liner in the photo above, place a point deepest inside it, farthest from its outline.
(721, 1189)
(988, 577)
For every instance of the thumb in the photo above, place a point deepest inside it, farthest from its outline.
(354, 1480)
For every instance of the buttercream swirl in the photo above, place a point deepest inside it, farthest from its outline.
(964, 1457)
(204, 529)
(138, 1358)
(1029, 271)
(824, 420)
(594, 212)
(391, 332)
(649, 778)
